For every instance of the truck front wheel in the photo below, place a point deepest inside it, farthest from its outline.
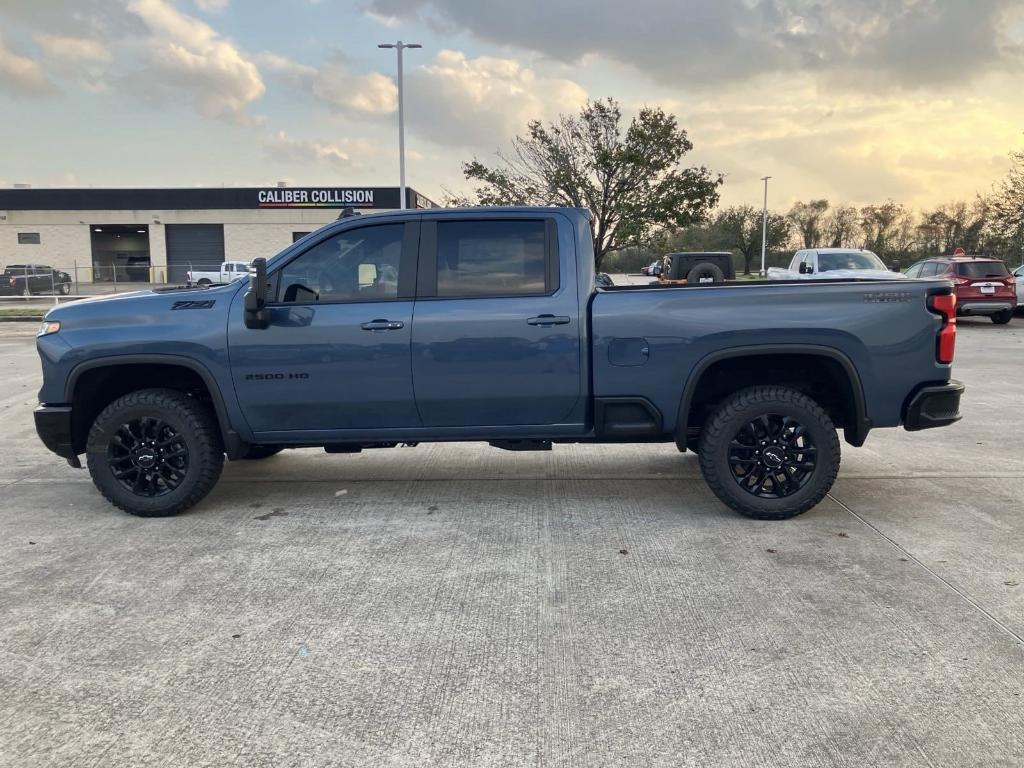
(769, 452)
(155, 452)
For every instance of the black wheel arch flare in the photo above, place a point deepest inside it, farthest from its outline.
(233, 443)
(855, 434)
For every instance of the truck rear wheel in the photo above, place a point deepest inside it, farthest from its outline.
(769, 452)
(155, 452)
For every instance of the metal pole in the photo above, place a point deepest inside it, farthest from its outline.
(401, 132)
(400, 46)
(764, 225)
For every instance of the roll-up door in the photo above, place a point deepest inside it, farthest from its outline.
(193, 246)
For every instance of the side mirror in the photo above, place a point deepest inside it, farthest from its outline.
(257, 316)
(806, 269)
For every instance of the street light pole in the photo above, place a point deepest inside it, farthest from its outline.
(764, 225)
(400, 46)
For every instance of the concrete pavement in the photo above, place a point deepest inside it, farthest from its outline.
(460, 605)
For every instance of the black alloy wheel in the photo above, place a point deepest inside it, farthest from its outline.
(769, 452)
(155, 452)
(148, 457)
(772, 456)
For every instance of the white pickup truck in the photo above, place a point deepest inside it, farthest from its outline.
(833, 264)
(229, 271)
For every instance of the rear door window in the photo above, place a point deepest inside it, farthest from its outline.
(492, 258)
(981, 269)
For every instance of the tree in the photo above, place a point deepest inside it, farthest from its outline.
(954, 225)
(841, 227)
(807, 218)
(740, 229)
(882, 224)
(631, 179)
(1007, 210)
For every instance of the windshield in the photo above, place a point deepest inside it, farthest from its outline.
(849, 260)
(981, 269)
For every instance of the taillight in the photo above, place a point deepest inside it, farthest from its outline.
(945, 306)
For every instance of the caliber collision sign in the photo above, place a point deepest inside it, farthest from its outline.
(314, 197)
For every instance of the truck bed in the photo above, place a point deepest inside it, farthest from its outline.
(653, 339)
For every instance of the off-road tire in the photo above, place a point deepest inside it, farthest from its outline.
(255, 452)
(743, 407)
(204, 283)
(1002, 318)
(699, 275)
(191, 419)
(64, 289)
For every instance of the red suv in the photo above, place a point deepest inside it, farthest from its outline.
(983, 286)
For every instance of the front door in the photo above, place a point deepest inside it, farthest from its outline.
(496, 336)
(336, 355)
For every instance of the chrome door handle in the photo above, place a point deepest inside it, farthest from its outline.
(546, 320)
(382, 325)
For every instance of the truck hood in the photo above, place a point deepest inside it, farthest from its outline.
(146, 302)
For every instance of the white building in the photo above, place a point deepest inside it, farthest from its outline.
(155, 235)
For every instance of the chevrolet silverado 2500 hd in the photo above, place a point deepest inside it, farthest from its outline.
(486, 324)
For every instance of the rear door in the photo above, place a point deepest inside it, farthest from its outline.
(496, 336)
(40, 278)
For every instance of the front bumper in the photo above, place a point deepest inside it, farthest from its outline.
(53, 425)
(933, 405)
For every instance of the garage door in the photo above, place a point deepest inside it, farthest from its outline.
(193, 246)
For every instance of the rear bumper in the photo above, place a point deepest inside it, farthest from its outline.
(975, 307)
(933, 405)
(53, 425)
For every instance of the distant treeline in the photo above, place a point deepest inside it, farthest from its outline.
(898, 235)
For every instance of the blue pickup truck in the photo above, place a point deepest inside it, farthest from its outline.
(486, 325)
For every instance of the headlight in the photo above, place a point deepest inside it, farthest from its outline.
(48, 327)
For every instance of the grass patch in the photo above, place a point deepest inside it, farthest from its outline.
(23, 311)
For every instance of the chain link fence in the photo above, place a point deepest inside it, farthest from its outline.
(35, 283)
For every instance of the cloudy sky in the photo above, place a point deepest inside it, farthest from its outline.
(855, 100)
